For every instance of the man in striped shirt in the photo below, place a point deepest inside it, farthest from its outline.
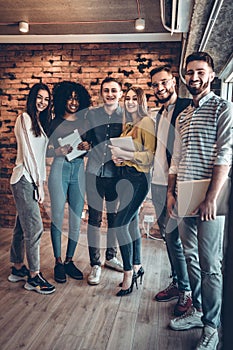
(202, 150)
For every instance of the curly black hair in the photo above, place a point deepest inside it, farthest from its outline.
(62, 93)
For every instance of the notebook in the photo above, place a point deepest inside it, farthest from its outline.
(73, 140)
(126, 143)
(190, 194)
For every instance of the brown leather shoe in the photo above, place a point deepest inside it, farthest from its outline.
(155, 233)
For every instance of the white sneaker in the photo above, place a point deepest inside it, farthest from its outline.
(114, 264)
(209, 339)
(191, 319)
(94, 277)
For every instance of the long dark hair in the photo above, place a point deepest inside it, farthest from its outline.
(63, 91)
(44, 116)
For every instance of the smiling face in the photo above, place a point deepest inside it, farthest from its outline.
(72, 104)
(42, 100)
(163, 85)
(111, 93)
(131, 102)
(198, 77)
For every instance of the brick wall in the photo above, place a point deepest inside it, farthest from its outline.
(23, 65)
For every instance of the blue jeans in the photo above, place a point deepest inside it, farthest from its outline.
(132, 189)
(99, 189)
(169, 230)
(66, 183)
(28, 226)
(203, 249)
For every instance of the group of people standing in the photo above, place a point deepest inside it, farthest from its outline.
(189, 140)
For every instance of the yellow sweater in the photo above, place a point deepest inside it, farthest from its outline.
(143, 134)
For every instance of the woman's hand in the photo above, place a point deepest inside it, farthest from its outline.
(63, 150)
(119, 155)
(41, 194)
(83, 146)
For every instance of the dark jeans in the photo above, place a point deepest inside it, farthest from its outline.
(99, 189)
(132, 189)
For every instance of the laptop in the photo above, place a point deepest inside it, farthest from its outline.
(191, 193)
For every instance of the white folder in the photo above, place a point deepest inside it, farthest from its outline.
(125, 142)
(73, 140)
(190, 194)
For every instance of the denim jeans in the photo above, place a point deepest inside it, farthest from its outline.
(66, 184)
(28, 226)
(99, 189)
(132, 189)
(203, 249)
(169, 230)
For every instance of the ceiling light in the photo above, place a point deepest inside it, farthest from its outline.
(140, 24)
(23, 27)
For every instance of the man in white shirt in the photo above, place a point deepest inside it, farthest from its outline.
(163, 83)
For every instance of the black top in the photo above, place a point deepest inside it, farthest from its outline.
(101, 127)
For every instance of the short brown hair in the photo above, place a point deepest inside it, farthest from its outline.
(165, 67)
(109, 80)
(200, 56)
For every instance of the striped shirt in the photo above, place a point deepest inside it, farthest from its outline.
(203, 139)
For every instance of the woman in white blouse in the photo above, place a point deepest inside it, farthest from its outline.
(27, 180)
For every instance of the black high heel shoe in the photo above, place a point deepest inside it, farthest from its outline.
(124, 292)
(140, 274)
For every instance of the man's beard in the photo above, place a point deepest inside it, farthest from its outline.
(196, 91)
(166, 99)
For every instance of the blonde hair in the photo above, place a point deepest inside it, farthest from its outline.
(141, 111)
(142, 103)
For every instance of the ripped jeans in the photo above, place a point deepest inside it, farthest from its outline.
(203, 250)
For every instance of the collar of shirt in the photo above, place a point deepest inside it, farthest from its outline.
(117, 111)
(167, 112)
(170, 107)
(205, 99)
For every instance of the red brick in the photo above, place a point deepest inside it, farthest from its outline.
(51, 63)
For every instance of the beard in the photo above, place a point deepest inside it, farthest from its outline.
(165, 99)
(197, 91)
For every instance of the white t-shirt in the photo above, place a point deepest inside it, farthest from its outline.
(160, 168)
(26, 164)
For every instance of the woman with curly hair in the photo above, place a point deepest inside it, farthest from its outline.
(66, 179)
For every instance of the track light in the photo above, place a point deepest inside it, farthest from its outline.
(140, 24)
(23, 27)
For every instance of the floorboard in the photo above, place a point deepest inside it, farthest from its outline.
(82, 317)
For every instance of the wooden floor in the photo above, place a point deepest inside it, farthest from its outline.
(82, 317)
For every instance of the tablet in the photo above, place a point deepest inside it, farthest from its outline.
(125, 142)
(73, 140)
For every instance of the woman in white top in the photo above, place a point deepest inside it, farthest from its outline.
(29, 174)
